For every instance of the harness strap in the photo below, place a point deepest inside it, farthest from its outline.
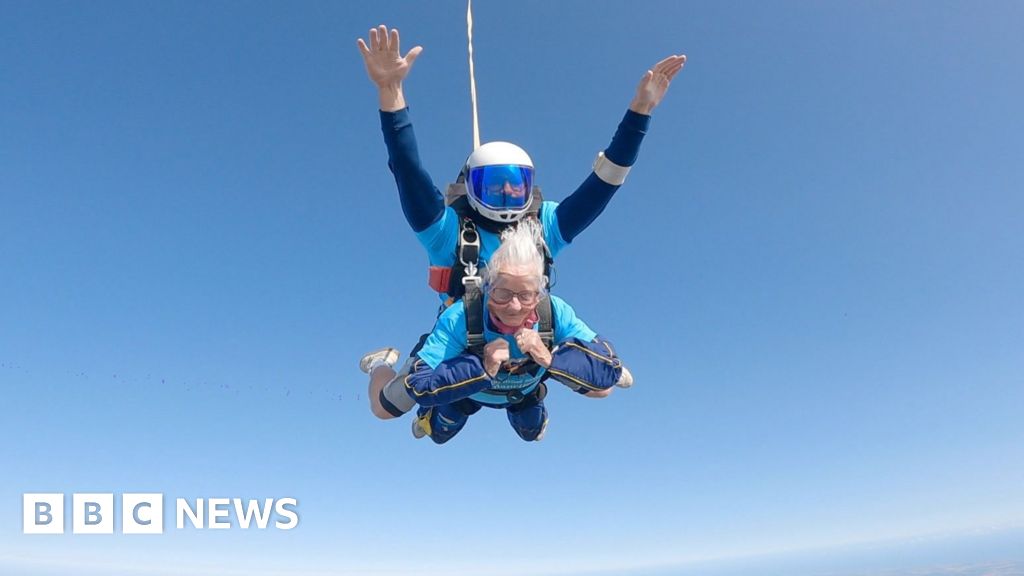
(465, 281)
(547, 331)
(470, 220)
(473, 303)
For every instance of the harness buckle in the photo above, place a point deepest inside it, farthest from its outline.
(469, 246)
(469, 254)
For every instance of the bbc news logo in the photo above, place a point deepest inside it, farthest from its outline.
(143, 513)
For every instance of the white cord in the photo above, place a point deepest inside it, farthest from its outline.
(472, 77)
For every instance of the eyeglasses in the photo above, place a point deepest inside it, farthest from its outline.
(504, 296)
(513, 189)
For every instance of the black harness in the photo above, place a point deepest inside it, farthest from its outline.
(465, 281)
(467, 250)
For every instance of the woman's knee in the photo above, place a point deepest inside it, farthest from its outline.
(379, 411)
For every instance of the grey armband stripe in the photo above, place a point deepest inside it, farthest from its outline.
(609, 171)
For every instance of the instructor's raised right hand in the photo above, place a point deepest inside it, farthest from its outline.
(385, 64)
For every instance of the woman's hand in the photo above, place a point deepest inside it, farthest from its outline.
(386, 66)
(530, 342)
(495, 353)
(654, 84)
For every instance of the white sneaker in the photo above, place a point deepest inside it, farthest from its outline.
(626, 380)
(385, 356)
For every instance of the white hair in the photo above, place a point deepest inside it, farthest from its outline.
(521, 249)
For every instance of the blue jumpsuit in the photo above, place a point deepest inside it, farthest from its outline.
(450, 384)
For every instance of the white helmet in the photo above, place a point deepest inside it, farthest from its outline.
(499, 181)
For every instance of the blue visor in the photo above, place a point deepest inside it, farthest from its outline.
(501, 187)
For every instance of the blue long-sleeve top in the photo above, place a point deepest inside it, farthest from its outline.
(436, 226)
(445, 371)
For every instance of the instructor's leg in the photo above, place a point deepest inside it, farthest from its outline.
(443, 422)
(529, 418)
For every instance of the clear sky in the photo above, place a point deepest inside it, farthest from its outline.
(814, 272)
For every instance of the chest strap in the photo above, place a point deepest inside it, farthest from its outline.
(473, 304)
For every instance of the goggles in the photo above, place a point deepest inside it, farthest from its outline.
(504, 296)
(503, 187)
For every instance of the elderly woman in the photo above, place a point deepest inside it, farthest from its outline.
(450, 382)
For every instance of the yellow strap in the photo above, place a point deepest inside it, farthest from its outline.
(424, 422)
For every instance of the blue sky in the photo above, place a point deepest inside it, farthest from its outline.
(814, 272)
